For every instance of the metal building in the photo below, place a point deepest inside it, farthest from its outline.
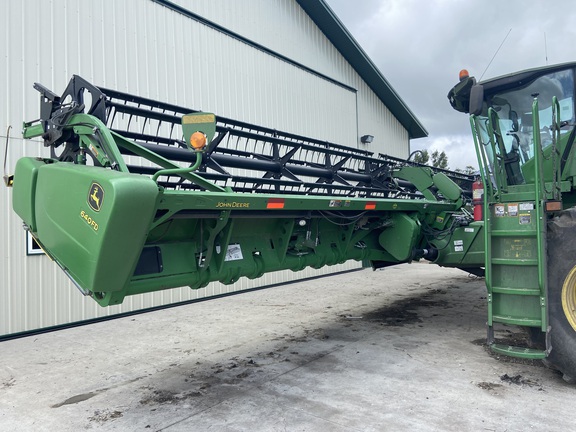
(284, 64)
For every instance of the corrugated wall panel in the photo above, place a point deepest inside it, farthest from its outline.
(390, 137)
(268, 23)
(143, 48)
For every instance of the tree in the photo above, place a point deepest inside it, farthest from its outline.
(421, 156)
(439, 160)
(468, 170)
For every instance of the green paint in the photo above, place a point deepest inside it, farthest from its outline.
(117, 233)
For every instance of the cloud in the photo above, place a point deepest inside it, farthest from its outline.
(458, 148)
(420, 47)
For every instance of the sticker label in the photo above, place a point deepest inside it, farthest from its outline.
(233, 253)
(470, 230)
(512, 209)
(499, 210)
(275, 203)
(335, 203)
(525, 219)
(458, 242)
(95, 196)
(458, 248)
(526, 206)
(199, 118)
(93, 149)
(232, 204)
(518, 248)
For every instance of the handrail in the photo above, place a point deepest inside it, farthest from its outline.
(539, 206)
(178, 171)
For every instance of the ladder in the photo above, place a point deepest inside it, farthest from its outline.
(515, 238)
(515, 271)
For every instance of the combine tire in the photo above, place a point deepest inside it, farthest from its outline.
(562, 292)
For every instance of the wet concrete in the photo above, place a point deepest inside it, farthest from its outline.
(393, 350)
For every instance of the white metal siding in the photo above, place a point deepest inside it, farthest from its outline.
(141, 47)
(282, 26)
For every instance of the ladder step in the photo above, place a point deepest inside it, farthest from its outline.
(516, 291)
(527, 322)
(512, 351)
(513, 233)
(515, 262)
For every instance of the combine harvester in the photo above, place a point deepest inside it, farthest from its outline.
(140, 196)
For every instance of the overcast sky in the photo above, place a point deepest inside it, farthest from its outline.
(421, 45)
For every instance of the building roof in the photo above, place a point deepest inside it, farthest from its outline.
(332, 27)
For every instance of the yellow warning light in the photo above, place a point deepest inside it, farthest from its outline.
(198, 140)
(463, 74)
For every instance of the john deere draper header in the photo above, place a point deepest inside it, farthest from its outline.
(140, 196)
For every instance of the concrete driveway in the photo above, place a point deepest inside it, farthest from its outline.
(400, 349)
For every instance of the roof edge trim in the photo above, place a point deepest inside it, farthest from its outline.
(179, 9)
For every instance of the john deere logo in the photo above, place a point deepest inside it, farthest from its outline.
(95, 197)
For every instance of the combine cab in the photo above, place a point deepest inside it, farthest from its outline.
(140, 196)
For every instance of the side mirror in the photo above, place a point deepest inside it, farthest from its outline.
(476, 99)
(459, 95)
